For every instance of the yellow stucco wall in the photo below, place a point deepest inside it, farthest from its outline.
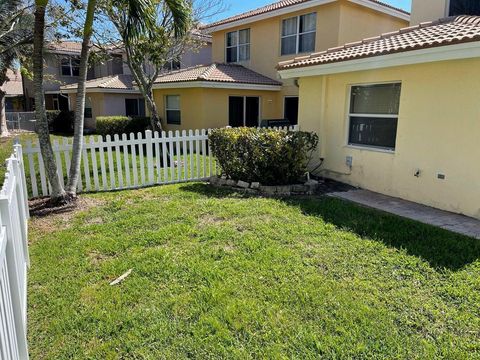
(438, 132)
(337, 23)
(204, 108)
(428, 10)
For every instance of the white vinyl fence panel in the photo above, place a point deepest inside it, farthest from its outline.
(127, 161)
(14, 260)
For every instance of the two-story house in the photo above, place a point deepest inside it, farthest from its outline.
(110, 88)
(398, 113)
(242, 86)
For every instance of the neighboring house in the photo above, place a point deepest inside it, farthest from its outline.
(108, 96)
(111, 91)
(399, 113)
(13, 88)
(245, 88)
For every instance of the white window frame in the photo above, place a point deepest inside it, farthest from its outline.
(168, 109)
(386, 116)
(238, 45)
(55, 102)
(69, 65)
(245, 107)
(297, 35)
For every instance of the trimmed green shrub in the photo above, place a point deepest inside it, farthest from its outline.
(271, 157)
(111, 125)
(61, 121)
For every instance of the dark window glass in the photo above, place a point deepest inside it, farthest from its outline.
(291, 110)
(464, 7)
(376, 132)
(232, 54)
(235, 111)
(131, 107)
(88, 113)
(289, 45)
(374, 115)
(172, 110)
(66, 70)
(375, 99)
(75, 67)
(306, 42)
(251, 111)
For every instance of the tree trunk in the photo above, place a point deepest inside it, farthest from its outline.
(145, 88)
(152, 109)
(80, 105)
(3, 118)
(58, 193)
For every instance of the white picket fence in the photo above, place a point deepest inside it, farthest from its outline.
(127, 162)
(14, 260)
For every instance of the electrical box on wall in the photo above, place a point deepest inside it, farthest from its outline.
(349, 161)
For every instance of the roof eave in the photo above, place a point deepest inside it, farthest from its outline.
(433, 54)
(293, 8)
(216, 85)
(101, 90)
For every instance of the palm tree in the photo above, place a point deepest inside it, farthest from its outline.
(58, 194)
(16, 34)
(172, 20)
(140, 20)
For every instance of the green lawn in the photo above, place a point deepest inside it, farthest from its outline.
(218, 275)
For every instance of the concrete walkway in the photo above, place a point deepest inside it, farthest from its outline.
(446, 220)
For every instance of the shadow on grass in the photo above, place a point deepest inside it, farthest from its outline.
(439, 247)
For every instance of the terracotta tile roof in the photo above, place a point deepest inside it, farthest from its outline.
(443, 32)
(223, 73)
(71, 47)
(281, 5)
(14, 85)
(115, 82)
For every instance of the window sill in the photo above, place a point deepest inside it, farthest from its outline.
(369, 148)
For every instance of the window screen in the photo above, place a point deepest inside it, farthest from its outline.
(374, 115)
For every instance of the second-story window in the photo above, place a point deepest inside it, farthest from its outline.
(298, 34)
(238, 46)
(70, 66)
(464, 7)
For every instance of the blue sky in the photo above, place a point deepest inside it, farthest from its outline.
(237, 7)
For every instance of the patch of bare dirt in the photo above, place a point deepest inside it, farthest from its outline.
(48, 219)
(97, 258)
(209, 220)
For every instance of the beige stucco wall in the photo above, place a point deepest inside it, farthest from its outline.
(104, 104)
(428, 10)
(438, 132)
(337, 23)
(204, 108)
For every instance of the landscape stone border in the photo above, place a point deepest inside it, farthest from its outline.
(311, 187)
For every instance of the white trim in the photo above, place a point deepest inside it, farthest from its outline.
(440, 53)
(382, 8)
(237, 46)
(298, 34)
(378, 116)
(307, 5)
(101, 90)
(216, 85)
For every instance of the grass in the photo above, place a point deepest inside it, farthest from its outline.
(218, 275)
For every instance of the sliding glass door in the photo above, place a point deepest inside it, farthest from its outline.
(243, 111)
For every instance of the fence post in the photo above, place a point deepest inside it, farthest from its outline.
(18, 300)
(148, 136)
(21, 165)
